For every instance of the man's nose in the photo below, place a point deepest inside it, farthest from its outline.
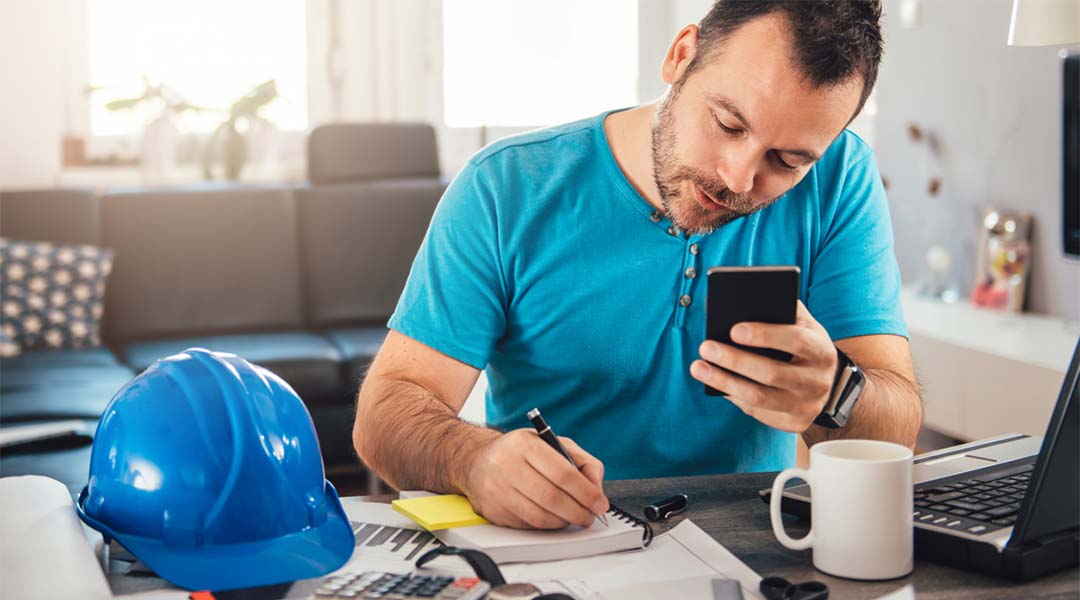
(738, 171)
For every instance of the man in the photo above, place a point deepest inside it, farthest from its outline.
(568, 262)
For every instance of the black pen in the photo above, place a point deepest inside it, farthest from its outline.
(546, 434)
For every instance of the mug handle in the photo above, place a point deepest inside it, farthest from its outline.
(774, 509)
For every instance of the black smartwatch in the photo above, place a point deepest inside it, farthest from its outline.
(846, 388)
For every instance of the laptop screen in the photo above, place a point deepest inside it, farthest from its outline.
(1052, 503)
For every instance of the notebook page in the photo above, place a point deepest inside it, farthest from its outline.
(494, 536)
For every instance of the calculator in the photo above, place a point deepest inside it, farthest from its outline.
(377, 584)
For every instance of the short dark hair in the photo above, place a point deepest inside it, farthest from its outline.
(833, 39)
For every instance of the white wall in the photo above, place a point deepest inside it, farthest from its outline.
(996, 111)
(32, 91)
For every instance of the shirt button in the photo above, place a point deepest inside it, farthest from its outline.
(684, 300)
(693, 249)
(655, 216)
(691, 273)
(672, 231)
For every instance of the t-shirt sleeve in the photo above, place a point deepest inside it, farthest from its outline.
(854, 286)
(454, 299)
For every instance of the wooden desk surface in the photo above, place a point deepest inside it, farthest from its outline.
(728, 508)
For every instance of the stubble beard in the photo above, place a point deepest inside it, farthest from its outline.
(670, 176)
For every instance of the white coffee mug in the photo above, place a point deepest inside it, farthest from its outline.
(860, 510)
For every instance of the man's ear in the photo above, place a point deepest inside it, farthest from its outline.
(680, 54)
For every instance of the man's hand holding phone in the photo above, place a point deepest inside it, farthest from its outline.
(783, 395)
(786, 395)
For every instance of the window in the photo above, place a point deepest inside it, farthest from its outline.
(210, 52)
(527, 63)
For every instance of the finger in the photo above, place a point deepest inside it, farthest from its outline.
(803, 316)
(762, 369)
(735, 386)
(494, 504)
(781, 420)
(503, 515)
(545, 493)
(590, 466)
(768, 405)
(797, 340)
(534, 516)
(561, 488)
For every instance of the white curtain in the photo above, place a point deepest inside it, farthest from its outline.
(374, 60)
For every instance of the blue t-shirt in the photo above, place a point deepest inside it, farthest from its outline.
(544, 266)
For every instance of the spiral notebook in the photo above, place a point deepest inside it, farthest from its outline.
(507, 545)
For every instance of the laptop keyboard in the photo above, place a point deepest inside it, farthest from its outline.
(978, 505)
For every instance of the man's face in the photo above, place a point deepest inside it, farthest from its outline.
(743, 128)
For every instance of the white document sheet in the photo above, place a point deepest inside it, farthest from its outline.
(384, 535)
(905, 593)
(680, 563)
(44, 552)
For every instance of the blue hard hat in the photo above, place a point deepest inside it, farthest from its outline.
(207, 469)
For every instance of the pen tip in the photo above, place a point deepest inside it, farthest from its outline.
(603, 519)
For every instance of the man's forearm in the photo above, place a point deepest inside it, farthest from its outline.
(889, 409)
(412, 439)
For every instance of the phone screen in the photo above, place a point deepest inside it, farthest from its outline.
(759, 294)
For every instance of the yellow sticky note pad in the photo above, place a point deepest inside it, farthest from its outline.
(439, 512)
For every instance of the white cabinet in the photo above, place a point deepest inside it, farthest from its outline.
(983, 372)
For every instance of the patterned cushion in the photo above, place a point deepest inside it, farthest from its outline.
(51, 295)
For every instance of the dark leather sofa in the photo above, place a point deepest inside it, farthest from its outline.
(300, 279)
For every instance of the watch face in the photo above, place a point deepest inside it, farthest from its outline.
(851, 394)
(513, 591)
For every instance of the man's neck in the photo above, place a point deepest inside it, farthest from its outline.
(629, 134)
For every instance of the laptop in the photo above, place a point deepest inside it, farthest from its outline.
(1007, 506)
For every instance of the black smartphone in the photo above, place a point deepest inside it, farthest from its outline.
(759, 294)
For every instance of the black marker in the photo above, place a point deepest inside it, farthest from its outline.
(665, 508)
(546, 434)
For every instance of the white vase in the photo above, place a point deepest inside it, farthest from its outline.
(262, 149)
(159, 149)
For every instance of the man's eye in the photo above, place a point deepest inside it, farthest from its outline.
(783, 165)
(725, 128)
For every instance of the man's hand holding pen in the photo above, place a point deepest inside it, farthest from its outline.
(518, 481)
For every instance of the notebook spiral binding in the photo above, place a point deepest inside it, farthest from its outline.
(627, 517)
